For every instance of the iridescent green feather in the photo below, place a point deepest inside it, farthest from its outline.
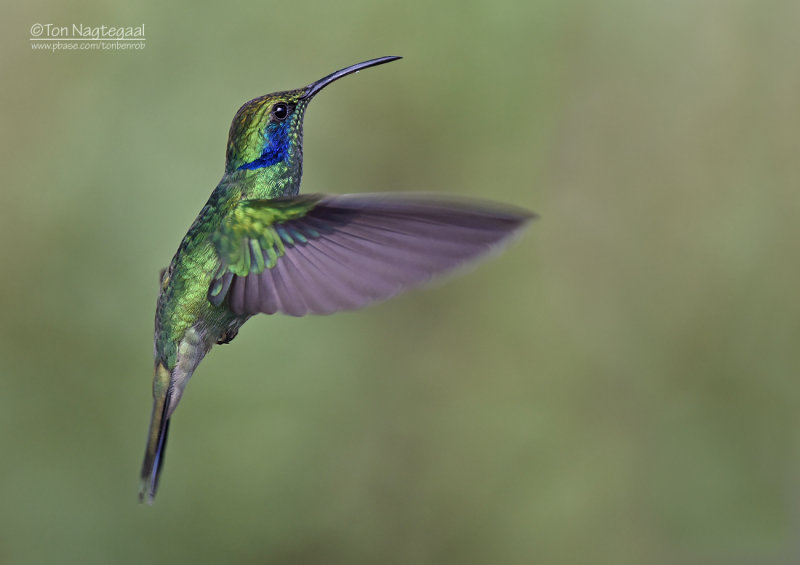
(258, 225)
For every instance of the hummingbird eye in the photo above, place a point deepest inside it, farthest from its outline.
(280, 111)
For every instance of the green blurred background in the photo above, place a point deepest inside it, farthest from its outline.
(619, 387)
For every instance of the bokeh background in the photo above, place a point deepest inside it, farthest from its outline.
(620, 386)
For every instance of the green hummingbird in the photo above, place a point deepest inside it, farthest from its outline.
(259, 247)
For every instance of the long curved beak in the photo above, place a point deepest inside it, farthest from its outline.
(315, 87)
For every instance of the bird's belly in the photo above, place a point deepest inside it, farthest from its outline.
(183, 305)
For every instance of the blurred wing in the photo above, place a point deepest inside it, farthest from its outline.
(320, 254)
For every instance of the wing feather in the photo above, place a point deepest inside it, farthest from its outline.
(323, 254)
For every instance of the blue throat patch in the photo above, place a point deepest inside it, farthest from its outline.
(276, 150)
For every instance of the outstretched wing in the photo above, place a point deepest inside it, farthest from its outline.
(319, 254)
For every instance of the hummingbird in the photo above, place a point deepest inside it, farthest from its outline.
(258, 246)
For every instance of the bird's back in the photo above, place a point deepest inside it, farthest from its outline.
(182, 301)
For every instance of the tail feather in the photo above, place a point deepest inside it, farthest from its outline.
(157, 437)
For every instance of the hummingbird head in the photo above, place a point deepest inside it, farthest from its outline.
(267, 132)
